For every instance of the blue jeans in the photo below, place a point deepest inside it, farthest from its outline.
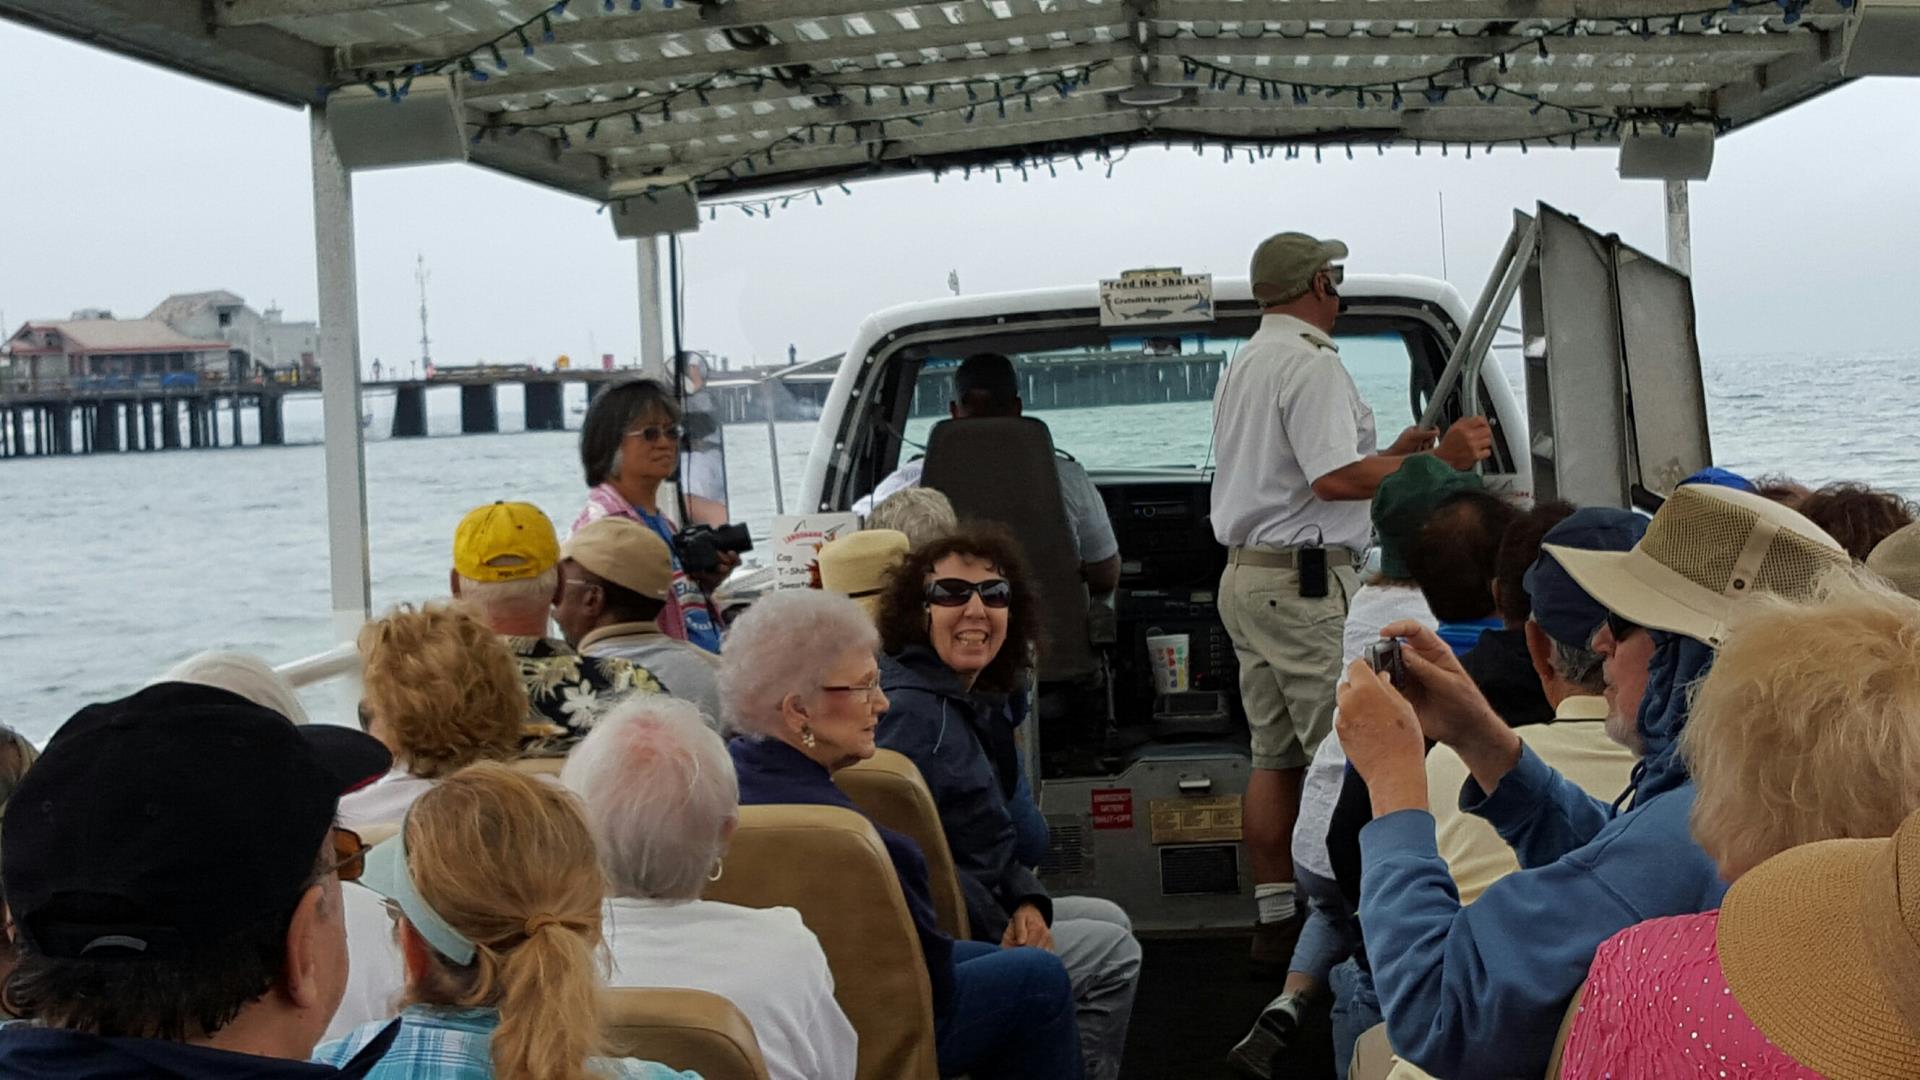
(1331, 932)
(1012, 1016)
(1356, 1007)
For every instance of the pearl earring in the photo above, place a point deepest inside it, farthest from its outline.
(806, 738)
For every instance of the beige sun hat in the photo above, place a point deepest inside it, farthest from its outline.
(856, 565)
(1707, 549)
(1821, 947)
(1897, 558)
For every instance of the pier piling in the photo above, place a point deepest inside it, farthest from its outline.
(545, 411)
(479, 410)
(410, 411)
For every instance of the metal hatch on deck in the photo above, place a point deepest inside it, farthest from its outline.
(1616, 404)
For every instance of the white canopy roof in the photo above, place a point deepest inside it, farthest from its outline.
(613, 98)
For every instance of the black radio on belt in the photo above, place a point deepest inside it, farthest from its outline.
(1310, 563)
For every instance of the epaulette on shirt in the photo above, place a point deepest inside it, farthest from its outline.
(1318, 342)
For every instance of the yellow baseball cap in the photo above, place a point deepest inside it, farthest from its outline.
(504, 541)
(625, 552)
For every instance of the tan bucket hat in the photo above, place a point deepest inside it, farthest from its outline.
(1821, 947)
(1897, 558)
(856, 565)
(1708, 548)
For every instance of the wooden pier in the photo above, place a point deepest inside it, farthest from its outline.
(91, 420)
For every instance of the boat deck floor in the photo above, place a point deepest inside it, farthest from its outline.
(1196, 999)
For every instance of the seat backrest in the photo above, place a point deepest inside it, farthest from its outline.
(1002, 469)
(684, 1030)
(828, 863)
(889, 789)
(1566, 1029)
(539, 766)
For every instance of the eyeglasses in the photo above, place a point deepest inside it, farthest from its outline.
(955, 592)
(865, 693)
(349, 855)
(656, 432)
(1335, 274)
(1620, 629)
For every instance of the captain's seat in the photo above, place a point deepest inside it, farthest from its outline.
(1002, 469)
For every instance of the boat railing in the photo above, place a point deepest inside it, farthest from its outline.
(337, 671)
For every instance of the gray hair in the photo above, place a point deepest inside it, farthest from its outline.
(240, 673)
(780, 647)
(660, 795)
(922, 513)
(1577, 665)
(506, 599)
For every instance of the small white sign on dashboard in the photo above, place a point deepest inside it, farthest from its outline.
(1149, 297)
(797, 540)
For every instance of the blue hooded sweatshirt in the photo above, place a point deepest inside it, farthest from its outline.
(961, 742)
(1480, 991)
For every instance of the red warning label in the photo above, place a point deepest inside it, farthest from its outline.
(1113, 808)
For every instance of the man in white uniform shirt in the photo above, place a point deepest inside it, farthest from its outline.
(1296, 465)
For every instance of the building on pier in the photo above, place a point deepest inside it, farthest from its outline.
(103, 351)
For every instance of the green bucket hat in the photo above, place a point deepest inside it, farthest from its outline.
(1404, 501)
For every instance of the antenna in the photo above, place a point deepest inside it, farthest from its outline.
(426, 352)
(1443, 235)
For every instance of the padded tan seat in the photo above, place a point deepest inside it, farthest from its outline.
(683, 1029)
(1566, 1029)
(828, 863)
(889, 789)
(374, 834)
(539, 766)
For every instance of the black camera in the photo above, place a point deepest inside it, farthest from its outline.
(1385, 656)
(700, 545)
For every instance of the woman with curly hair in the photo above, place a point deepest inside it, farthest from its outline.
(959, 627)
(442, 691)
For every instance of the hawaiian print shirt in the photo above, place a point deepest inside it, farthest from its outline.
(566, 692)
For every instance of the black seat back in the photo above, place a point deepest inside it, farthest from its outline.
(1003, 469)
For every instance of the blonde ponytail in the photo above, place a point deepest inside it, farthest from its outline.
(506, 859)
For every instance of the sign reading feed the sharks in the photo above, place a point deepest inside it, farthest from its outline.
(1146, 297)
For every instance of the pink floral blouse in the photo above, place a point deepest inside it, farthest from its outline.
(1656, 1005)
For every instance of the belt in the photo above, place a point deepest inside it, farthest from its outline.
(1285, 558)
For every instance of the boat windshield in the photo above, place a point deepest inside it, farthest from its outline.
(1148, 402)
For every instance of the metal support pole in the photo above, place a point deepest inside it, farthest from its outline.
(1679, 227)
(767, 389)
(340, 383)
(653, 318)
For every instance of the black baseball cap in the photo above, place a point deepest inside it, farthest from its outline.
(169, 820)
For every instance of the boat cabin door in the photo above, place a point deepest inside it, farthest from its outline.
(1616, 408)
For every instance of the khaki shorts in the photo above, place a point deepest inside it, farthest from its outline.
(1289, 648)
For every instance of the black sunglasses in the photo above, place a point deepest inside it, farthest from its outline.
(1621, 628)
(955, 592)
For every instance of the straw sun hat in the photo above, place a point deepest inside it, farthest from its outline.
(1821, 947)
(857, 564)
(1707, 549)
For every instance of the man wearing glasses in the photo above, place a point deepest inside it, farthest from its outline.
(1296, 466)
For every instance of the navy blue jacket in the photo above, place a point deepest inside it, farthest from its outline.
(964, 747)
(772, 772)
(31, 1052)
(1480, 991)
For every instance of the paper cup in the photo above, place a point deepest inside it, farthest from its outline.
(1169, 655)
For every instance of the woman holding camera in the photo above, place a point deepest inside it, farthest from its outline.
(629, 446)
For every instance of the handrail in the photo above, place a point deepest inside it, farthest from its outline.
(318, 668)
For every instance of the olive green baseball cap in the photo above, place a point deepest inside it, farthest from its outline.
(1284, 265)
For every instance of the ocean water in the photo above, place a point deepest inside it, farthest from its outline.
(118, 566)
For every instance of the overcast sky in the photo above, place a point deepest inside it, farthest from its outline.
(124, 183)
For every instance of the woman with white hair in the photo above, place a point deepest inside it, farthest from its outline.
(662, 802)
(244, 674)
(800, 678)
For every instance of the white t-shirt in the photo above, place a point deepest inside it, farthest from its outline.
(1086, 513)
(1371, 608)
(1285, 414)
(764, 960)
(375, 973)
(383, 802)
